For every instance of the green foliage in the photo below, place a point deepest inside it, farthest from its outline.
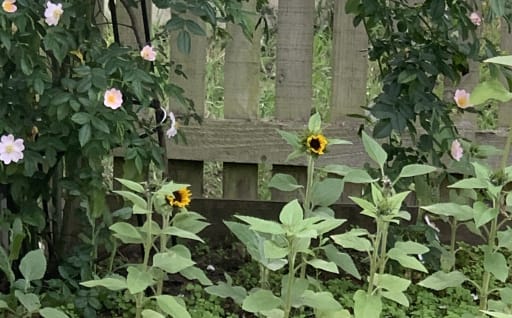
(176, 221)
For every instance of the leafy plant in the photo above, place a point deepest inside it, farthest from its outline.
(32, 267)
(169, 201)
(385, 208)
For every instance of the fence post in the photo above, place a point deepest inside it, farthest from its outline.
(194, 67)
(241, 98)
(349, 65)
(294, 84)
(294, 92)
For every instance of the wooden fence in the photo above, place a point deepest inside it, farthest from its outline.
(242, 141)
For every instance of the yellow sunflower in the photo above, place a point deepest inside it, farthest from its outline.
(180, 198)
(316, 144)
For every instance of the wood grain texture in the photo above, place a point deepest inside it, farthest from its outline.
(294, 61)
(349, 65)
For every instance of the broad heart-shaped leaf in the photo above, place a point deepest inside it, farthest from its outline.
(496, 314)
(190, 221)
(367, 306)
(315, 123)
(126, 232)
(111, 283)
(223, 290)
(49, 312)
(374, 150)
(333, 314)
(505, 238)
(343, 260)
(483, 213)
(320, 300)
(441, 280)
(353, 239)
(148, 313)
(132, 197)
(193, 272)
(340, 170)
(365, 205)
(137, 280)
(491, 89)
(406, 260)
(261, 225)
(327, 192)
(271, 250)
(33, 265)
(5, 266)
(358, 176)
(134, 186)
(455, 210)
(396, 296)
(29, 301)
(496, 264)
(410, 247)
(3, 304)
(172, 261)
(171, 187)
(391, 282)
(291, 214)
(274, 313)
(284, 182)
(171, 306)
(413, 170)
(261, 300)
(251, 239)
(323, 265)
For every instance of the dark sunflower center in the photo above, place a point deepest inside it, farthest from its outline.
(315, 143)
(177, 196)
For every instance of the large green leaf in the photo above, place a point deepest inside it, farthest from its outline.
(315, 123)
(505, 238)
(33, 265)
(488, 90)
(323, 265)
(29, 301)
(496, 314)
(406, 260)
(49, 312)
(134, 198)
(225, 290)
(367, 306)
(291, 214)
(111, 283)
(134, 186)
(148, 313)
(126, 232)
(261, 300)
(496, 264)
(441, 280)
(271, 250)
(353, 239)
(137, 281)
(174, 231)
(196, 273)
(172, 261)
(343, 260)
(261, 225)
(320, 300)
(326, 192)
(410, 247)
(458, 211)
(470, 183)
(415, 170)
(171, 306)
(284, 182)
(374, 150)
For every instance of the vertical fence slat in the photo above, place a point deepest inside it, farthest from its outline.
(241, 96)
(349, 65)
(294, 91)
(194, 66)
(294, 64)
